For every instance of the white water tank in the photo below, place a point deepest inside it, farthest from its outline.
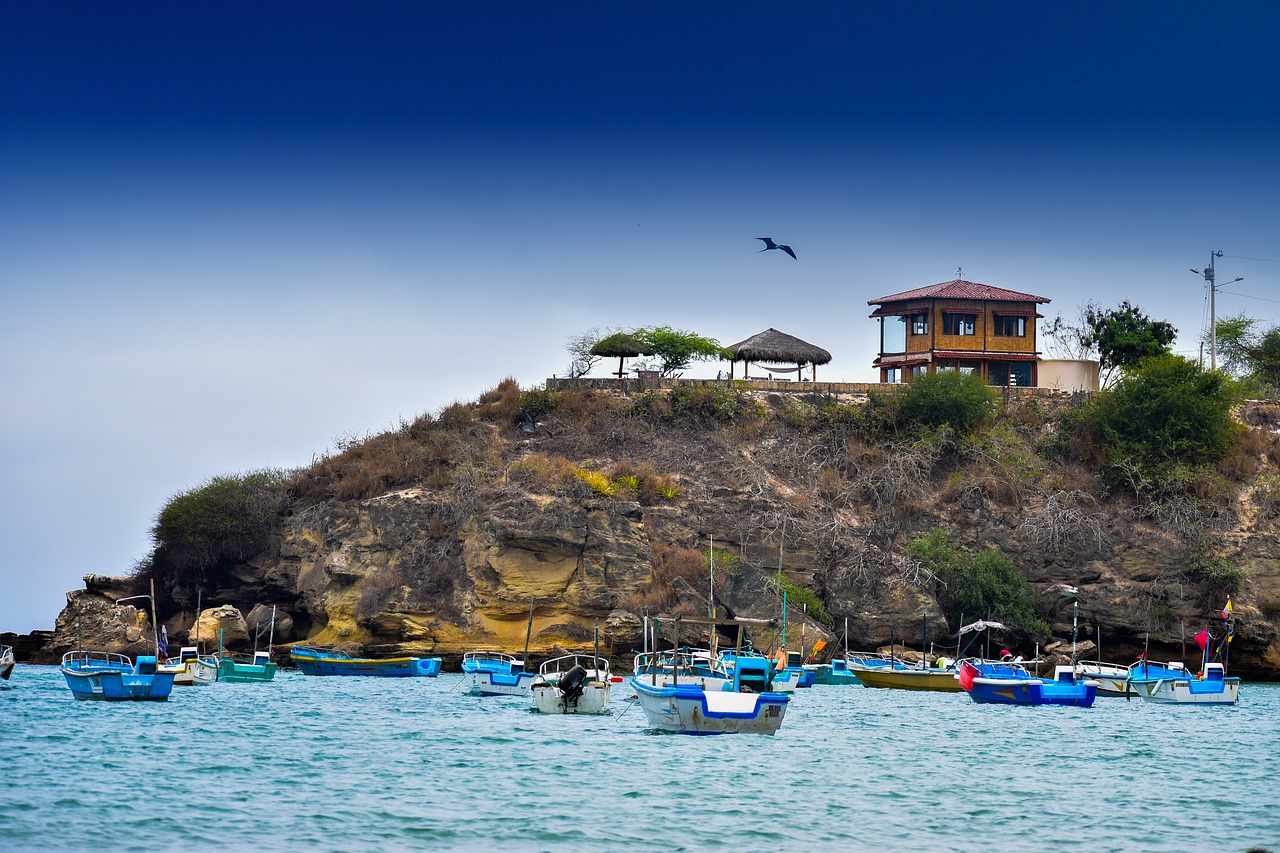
(1069, 374)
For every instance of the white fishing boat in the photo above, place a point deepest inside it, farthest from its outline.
(1212, 687)
(191, 668)
(6, 662)
(723, 706)
(572, 684)
(496, 674)
(1112, 678)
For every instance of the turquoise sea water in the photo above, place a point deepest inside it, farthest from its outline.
(311, 763)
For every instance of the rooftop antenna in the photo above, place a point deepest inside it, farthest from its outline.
(1213, 312)
(960, 273)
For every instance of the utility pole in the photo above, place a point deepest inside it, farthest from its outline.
(1213, 309)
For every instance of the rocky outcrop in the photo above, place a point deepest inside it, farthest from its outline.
(495, 563)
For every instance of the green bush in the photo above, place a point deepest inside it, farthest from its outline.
(983, 586)
(961, 400)
(1163, 417)
(227, 520)
(798, 596)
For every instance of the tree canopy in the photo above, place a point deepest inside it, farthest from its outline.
(962, 400)
(676, 349)
(1246, 352)
(1124, 336)
(1165, 413)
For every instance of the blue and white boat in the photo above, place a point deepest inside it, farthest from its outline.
(1144, 671)
(755, 672)
(495, 674)
(573, 684)
(1212, 687)
(113, 677)
(993, 683)
(6, 662)
(689, 709)
(314, 660)
(684, 666)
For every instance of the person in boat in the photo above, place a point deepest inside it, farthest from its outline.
(943, 662)
(1005, 655)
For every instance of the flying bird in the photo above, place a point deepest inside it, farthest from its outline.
(769, 244)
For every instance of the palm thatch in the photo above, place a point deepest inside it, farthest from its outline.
(774, 347)
(621, 345)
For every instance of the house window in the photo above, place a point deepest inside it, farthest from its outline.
(959, 324)
(965, 367)
(1011, 327)
(1015, 374)
(919, 323)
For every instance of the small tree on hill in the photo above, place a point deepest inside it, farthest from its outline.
(1124, 336)
(676, 349)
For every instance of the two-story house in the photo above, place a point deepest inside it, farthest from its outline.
(959, 325)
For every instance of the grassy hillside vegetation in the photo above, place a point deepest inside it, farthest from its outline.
(844, 485)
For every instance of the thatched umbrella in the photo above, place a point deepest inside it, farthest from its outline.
(621, 345)
(774, 347)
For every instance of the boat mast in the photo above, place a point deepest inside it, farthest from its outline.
(271, 637)
(198, 594)
(711, 599)
(528, 632)
(959, 634)
(1075, 619)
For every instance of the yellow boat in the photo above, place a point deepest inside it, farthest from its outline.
(906, 677)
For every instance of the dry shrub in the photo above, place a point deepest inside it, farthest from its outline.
(539, 472)
(582, 407)
(860, 455)
(501, 404)
(831, 486)
(371, 467)
(669, 562)
(378, 591)
(457, 414)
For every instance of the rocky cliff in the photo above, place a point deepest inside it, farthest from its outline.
(604, 510)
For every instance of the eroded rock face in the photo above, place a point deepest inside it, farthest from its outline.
(220, 624)
(443, 572)
(94, 622)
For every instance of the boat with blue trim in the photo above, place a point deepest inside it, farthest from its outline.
(6, 662)
(1006, 683)
(1211, 687)
(496, 674)
(113, 677)
(316, 660)
(742, 704)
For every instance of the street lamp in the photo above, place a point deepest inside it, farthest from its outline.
(1213, 313)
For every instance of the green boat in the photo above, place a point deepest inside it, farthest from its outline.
(238, 670)
(836, 672)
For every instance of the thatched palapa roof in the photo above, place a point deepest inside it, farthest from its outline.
(774, 347)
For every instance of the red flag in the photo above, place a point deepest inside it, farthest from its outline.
(1202, 639)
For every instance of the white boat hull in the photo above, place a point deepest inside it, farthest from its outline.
(691, 710)
(198, 672)
(549, 698)
(484, 683)
(1180, 691)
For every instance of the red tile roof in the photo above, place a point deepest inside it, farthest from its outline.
(960, 289)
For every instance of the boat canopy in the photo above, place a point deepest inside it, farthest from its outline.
(982, 625)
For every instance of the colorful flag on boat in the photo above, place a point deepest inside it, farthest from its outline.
(1202, 639)
(1226, 611)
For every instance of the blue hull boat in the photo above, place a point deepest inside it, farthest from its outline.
(992, 683)
(111, 677)
(495, 674)
(689, 709)
(320, 661)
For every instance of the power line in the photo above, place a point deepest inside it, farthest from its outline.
(1245, 258)
(1248, 296)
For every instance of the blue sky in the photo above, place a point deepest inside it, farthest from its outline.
(232, 233)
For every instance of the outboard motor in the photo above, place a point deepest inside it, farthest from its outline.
(571, 685)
